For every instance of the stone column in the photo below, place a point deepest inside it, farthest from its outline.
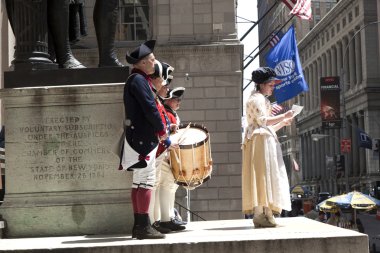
(303, 101)
(323, 65)
(334, 69)
(345, 63)
(327, 147)
(358, 59)
(328, 63)
(323, 159)
(309, 154)
(304, 156)
(362, 162)
(355, 151)
(318, 163)
(312, 84)
(339, 59)
(29, 20)
(351, 56)
(315, 157)
(350, 136)
(336, 152)
(315, 88)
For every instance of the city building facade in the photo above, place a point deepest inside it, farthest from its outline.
(337, 42)
(342, 45)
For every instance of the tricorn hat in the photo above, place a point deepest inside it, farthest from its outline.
(264, 75)
(140, 52)
(163, 70)
(175, 93)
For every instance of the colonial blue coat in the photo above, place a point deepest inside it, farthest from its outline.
(143, 120)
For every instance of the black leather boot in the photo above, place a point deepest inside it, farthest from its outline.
(74, 29)
(105, 19)
(135, 222)
(58, 21)
(144, 230)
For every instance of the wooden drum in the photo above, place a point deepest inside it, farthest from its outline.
(191, 164)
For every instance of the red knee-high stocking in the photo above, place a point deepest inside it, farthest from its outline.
(143, 199)
(134, 200)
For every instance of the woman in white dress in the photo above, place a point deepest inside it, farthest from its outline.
(265, 186)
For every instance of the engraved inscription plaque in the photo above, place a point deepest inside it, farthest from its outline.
(64, 150)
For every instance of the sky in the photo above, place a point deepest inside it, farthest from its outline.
(247, 9)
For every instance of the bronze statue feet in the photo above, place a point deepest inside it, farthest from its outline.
(111, 62)
(72, 63)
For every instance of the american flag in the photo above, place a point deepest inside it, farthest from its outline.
(276, 37)
(278, 109)
(299, 8)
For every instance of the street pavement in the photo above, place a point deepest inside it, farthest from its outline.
(372, 229)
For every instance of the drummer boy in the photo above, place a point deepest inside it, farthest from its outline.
(166, 188)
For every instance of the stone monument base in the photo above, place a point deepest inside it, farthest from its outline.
(66, 214)
(62, 161)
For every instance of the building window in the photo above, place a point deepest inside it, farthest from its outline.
(316, 5)
(337, 27)
(133, 22)
(317, 18)
(329, 5)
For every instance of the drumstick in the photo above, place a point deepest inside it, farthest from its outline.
(183, 133)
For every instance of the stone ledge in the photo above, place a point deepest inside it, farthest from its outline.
(17, 79)
(293, 235)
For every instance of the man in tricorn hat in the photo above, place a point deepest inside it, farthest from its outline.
(144, 130)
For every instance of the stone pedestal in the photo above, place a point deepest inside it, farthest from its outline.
(61, 166)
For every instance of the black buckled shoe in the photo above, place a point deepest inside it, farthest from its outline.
(178, 222)
(157, 226)
(172, 226)
(144, 230)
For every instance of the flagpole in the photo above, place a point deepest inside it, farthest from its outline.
(262, 49)
(261, 43)
(258, 21)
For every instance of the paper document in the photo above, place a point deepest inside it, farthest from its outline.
(297, 109)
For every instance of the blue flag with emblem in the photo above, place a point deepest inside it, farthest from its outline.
(284, 59)
(364, 141)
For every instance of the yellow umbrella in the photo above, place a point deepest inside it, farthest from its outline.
(327, 208)
(298, 189)
(356, 200)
